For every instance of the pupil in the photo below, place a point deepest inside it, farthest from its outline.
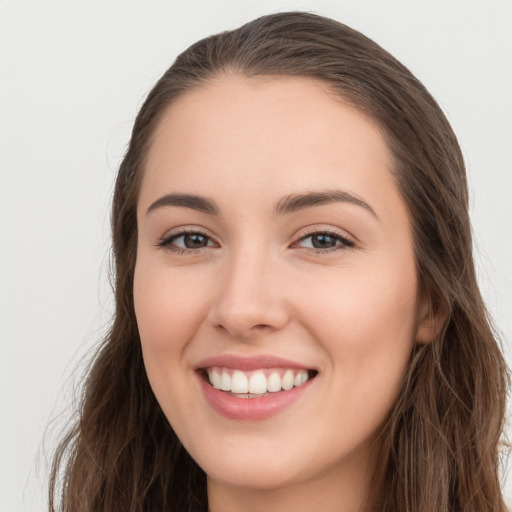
(195, 241)
(323, 241)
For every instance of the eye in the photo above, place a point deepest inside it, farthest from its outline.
(186, 241)
(323, 241)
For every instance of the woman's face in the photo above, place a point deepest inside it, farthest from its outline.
(273, 248)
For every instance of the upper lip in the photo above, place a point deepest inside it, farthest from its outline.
(249, 363)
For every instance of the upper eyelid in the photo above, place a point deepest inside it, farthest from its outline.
(186, 230)
(344, 241)
(167, 239)
(185, 233)
(329, 233)
(313, 230)
(300, 235)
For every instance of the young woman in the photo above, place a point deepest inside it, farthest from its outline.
(298, 324)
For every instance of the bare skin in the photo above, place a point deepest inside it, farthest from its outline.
(249, 270)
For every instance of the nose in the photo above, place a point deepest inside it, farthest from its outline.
(251, 300)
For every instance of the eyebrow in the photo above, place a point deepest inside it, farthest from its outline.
(192, 201)
(288, 204)
(295, 202)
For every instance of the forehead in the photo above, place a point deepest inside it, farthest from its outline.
(293, 109)
(262, 137)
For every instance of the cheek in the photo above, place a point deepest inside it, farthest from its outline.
(367, 322)
(354, 302)
(169, 310)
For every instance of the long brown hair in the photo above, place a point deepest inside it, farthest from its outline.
(440, 447)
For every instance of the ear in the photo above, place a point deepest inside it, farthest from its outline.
(432, 316)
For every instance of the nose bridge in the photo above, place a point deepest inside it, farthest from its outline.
(248, 299)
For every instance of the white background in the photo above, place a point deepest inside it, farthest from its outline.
(72, 75)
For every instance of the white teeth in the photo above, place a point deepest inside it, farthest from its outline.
(287, 380)
(215, 379)
(239, 382)
(225, 382)
(274, 382)
(256, 382)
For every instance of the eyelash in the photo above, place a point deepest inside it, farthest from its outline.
(166, 242)
(345, 244)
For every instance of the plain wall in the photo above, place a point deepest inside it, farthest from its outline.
(72, 75)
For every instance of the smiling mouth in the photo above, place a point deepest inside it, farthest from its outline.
(256, 383)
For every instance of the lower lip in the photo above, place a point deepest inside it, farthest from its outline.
(251, 409)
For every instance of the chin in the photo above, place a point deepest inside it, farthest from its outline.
(253, 474)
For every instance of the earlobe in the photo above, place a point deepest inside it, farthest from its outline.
(432, 317)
